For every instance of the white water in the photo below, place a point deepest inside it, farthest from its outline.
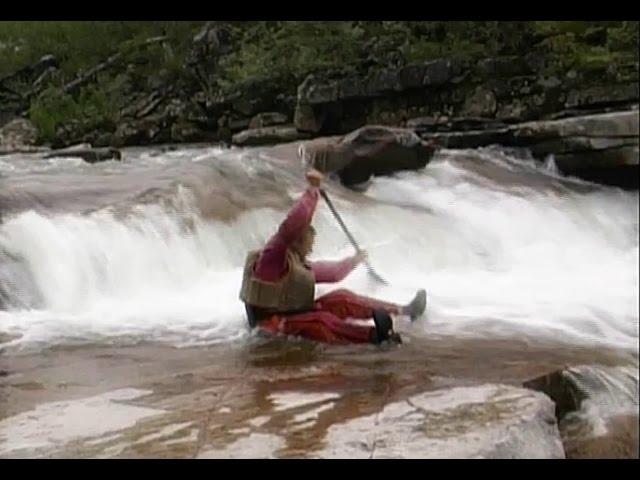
(525, 258)
(609, 391)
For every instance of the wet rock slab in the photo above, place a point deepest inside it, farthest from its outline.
(488, 421)
(280, 399)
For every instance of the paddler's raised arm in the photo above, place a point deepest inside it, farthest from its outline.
(272, 263)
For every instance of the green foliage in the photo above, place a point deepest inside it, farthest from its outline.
(290, 50)
(624, 37)
(96, 106)
(281, 53)
(80, 45)
(420, 51)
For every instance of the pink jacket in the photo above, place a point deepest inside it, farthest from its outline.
(272, 264)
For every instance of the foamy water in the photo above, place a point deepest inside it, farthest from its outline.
(504, 249)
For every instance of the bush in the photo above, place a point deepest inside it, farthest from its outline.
(80, 45)
(96, 107)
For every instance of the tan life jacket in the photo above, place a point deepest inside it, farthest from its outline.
(293, 292)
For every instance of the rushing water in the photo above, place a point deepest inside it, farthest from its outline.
(152, 248)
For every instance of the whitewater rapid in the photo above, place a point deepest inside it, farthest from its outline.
(504, 248)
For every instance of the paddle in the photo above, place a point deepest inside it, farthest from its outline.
(337, 216)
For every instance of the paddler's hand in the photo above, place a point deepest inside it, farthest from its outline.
(314, 177)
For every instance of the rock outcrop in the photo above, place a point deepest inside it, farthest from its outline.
(487, 421)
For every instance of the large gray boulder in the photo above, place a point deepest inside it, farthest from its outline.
(368, 151)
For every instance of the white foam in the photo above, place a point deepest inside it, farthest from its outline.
(288, 400)
(496, 259)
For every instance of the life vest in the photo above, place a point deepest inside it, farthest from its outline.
(294, 292)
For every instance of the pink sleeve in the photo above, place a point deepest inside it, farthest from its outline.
(272, 263)
(330, 272)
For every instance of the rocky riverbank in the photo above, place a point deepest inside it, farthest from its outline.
(584, 114)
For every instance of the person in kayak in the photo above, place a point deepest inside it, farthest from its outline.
(278, 286)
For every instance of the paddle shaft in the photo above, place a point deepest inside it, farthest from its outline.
(337, 216)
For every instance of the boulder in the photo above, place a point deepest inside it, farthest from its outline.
(482, 103)
(186, 131)
(308, 119)
(268, 136)
(315, 90)
(367, 151)
(268, 119)
(486, 421)
(439, 72)
(312, 91)
(139, 131)
(18, 133)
